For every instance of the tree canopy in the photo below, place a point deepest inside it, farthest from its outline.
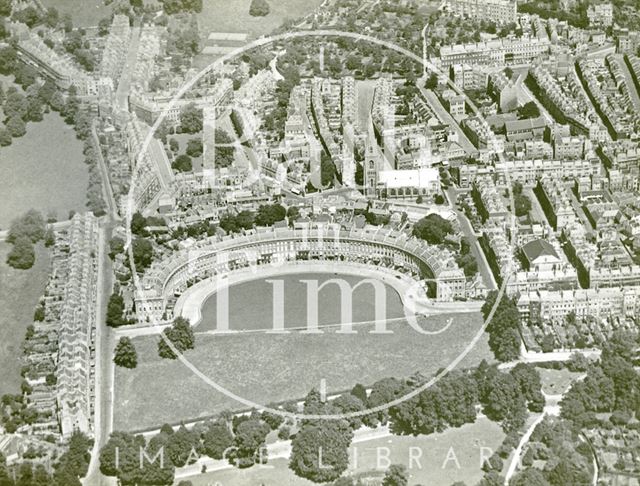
(268, 214)
(180, 333)
(22, 255)
(259, 8)
(125, 354)
(433, 229)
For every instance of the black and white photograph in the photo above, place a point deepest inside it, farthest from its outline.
(319, 243)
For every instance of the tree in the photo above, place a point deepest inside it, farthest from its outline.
(22, 255)
(503, 329)
(181, 336)
(103, 26)
(217, 439)
(327, 170)
(259, 8)
(528, 110)
(182, 163)
(57, 101)
(194, 147)
(5, 8)
(273, 420)
(433, 229)
(293, 213)
(15, 105)
(225, 151)
(142, 253)
(250, 437)
(432, 81)
(348, 403)
(505, 402)
(16, 127)
(183, 446)
(5, 137)
(125, 354)
(522, 204)
(116, 246)
(528, 379)
(383, 392)
(268, 214)
(191, 118)
(396, 475)
(28, 16)
(128, 468)
(138, 224)
(320, 450)
(8, 58)
(360, 392)
(115, 311)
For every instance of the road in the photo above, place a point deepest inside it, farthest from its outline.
(107, 190)
(124, 83)
(465, 225)
(587, 97)
(104, 344)
(543, 110)
(444, 115)
(158, 156)
(631, 86)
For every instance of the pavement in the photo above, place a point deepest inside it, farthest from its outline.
(465, 225)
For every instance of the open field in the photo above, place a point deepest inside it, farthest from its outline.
(86, 14)
(44, 170)
(21, 290)
(431, 466)
(233, 16)
(278, 475)
(555, 382)
(277, 367)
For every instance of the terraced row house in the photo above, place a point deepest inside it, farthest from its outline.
(76, 271)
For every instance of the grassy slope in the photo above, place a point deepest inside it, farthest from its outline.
(43, 170)
(264, 368)
(233, 15)
(86, 14)
(21, 290)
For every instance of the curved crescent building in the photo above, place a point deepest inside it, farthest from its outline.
(170, 277)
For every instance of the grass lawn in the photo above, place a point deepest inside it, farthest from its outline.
(21, 290)
(555, 382)
(441, 459)
(276, 367)
(431, 466)
(279, 475)
(43, 170)
(85, 14)
(183, 140)
(233, 16)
